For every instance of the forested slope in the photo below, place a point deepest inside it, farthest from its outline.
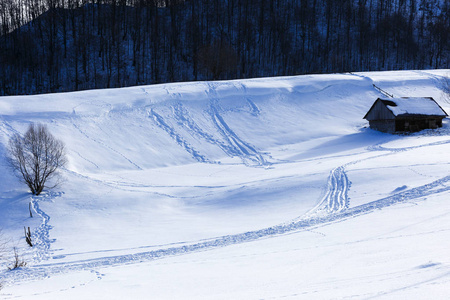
(66, 45)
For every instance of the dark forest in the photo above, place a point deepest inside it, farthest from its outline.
(68, 45)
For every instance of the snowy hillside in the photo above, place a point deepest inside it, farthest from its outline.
(248, 189)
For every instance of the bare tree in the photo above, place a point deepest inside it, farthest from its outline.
(10, 258)
(37, 157)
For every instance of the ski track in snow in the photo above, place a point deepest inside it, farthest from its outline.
(233, 145)
(6, 129)
(336, 197)
(254, 109)
(248, 154)
(84, 158)
(183, 118)
(125, 186)
(159, 120)
(106, 146)
(233, 148)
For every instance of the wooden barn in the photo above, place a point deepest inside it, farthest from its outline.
(405, 114)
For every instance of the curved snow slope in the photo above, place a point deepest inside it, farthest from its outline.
(174, 168)
(176, 124)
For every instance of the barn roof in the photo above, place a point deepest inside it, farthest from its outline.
(414, 106)
(424, 106)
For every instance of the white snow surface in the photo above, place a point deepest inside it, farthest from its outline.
(271, 188)
(415, 106)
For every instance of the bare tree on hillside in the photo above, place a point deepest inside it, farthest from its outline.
(36, 157)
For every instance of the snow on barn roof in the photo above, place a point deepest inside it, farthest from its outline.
(414, 106)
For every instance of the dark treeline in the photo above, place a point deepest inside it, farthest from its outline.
(66, 45)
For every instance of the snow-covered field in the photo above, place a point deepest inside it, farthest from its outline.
(249, 189)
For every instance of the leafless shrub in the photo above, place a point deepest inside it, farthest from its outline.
(17, 262)
(36, 157)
